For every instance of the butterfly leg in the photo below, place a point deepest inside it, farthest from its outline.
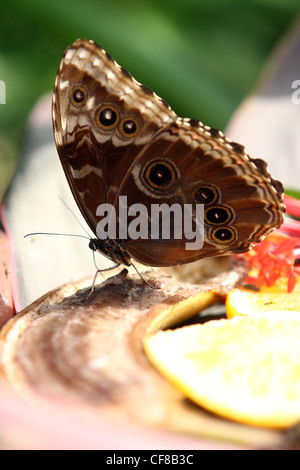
(101, 271)
(144, 280)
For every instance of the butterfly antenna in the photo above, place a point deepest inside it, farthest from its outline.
(88, 237)
(53, 233)
(75, 217)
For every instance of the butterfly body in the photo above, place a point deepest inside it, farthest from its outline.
(117, 140)
(114, 251)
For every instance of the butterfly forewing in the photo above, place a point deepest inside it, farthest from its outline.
(95, 152)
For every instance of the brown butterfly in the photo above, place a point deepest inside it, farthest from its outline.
(116, 138)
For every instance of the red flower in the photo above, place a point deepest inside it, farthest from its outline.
(275, 256)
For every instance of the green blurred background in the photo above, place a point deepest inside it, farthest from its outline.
(201, 56)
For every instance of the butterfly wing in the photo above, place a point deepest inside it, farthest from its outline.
(117, 139)
(187, 165)
(102, 118)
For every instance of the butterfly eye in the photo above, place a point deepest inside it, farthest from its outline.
(223, 235)
(78, 96)
(207, 194)
(107, 117)
(129, 127)
(218, 215)
(160, 175)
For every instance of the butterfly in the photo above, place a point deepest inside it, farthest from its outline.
(118, 141)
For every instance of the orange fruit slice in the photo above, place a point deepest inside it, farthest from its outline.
(246, 368)
(281, 285)
(241, 301)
